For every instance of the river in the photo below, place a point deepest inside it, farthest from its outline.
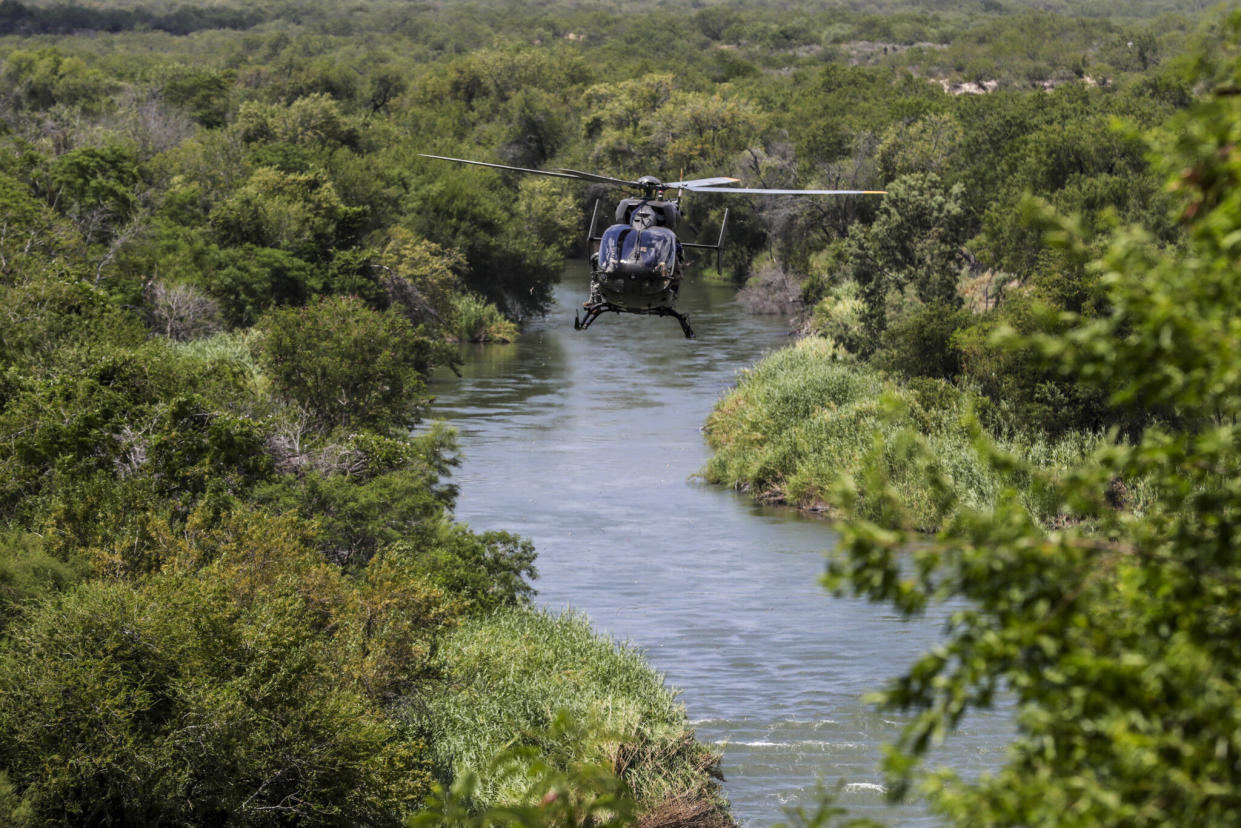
(587, 443)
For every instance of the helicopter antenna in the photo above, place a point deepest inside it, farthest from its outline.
(590, 234)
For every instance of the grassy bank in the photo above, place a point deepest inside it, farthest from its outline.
(810, 427)
(526, 679)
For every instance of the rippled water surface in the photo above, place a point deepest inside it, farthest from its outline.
(587, 443)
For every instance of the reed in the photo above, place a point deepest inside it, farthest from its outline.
(223, 358)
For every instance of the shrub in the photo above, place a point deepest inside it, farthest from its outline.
(839, 316)
(28, 574)
(172, 703)
(349, 366)
(920, 342)
(485, 571)
(248, 280)
(13, 811)
(357, 516)
(808, 428)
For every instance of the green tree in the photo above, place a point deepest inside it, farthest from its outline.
(836, 111)
(420, 276)
(201, 93)
(1109, 633)
(30, 232)
(921, 341)
(505, 262)
(488, 570)
(96, 187)
(358, 515)
(621, 105)
(926, 145)
(700, 132)
(650, 123)
(349, 366)
(43, 79)
(386, 84)
(297, 212)
(914, 245)
(314, 121)
(248, 280)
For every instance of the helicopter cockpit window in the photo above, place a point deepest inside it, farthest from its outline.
(644, 216)
(624, 249)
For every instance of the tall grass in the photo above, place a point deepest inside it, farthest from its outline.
(28, 573)
(227, 356)
(474, 319)
(810, 427)
(512, 675)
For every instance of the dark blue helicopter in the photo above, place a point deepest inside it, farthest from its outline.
(637, 264)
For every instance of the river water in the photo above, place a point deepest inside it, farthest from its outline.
(587, 443)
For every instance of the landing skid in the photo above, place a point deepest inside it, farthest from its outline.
(594, 309)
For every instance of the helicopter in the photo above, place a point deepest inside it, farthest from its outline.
(638, 263)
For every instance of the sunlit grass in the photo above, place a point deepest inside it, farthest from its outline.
(512, 675)
(230, 352)
(474, 319)
(806, 423)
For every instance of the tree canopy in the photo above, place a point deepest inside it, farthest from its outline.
(232, 588)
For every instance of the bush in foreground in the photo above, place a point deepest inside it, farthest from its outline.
(223, 697)
(1112, 638)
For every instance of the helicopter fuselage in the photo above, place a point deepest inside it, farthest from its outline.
(638, 264)
(637, 269)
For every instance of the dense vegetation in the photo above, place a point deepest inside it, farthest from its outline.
(231, 586)
(1107, 631)
(910, 291)
(1071, 437)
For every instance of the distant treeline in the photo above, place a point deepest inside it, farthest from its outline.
(20, 19)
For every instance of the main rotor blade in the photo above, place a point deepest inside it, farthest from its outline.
(695, 183)
(758, 191)
(599, 179)
(499, 166)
